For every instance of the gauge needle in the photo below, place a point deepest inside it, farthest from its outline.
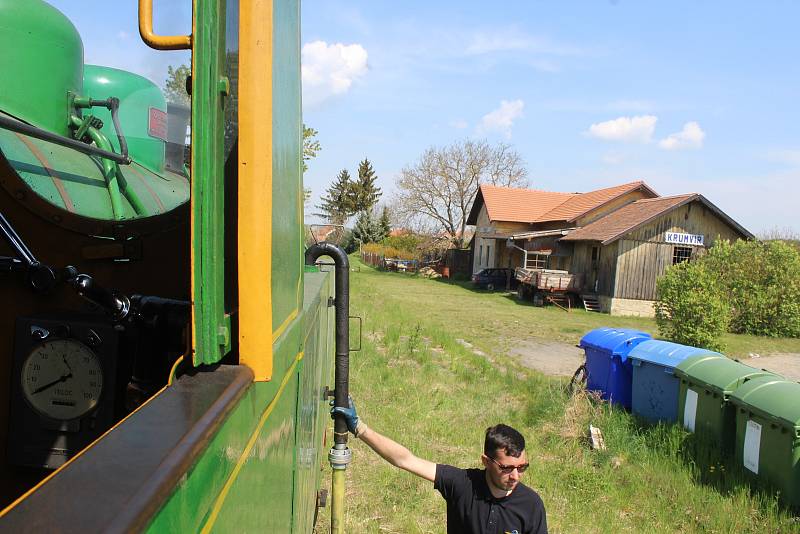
(51, 384)
(66, 363)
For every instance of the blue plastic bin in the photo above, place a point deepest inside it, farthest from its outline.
(607, 364)
(654, 390)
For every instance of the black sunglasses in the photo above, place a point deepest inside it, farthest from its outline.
(506, 469)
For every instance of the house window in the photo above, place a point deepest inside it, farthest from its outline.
(488, 254)
(480, 255)
(681, 254)
(595, 257)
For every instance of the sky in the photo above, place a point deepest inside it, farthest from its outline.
(696, 96)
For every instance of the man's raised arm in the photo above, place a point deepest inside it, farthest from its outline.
(388, 449)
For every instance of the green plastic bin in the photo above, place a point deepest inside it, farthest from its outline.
(768, 433)
(706, 383)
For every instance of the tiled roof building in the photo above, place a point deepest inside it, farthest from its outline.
(617, 239)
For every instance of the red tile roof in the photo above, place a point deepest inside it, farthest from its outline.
(627, 218)
(531, 206)
(518, 205)
(582, 203)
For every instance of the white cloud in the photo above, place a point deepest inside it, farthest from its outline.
(690, 137)
(502, 118)
(637, 129)
(330, 69)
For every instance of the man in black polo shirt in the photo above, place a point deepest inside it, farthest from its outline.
(479, 501)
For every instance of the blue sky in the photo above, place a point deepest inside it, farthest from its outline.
(688, 96)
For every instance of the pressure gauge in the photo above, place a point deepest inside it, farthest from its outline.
(62, 379)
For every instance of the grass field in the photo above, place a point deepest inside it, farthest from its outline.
(416, 381)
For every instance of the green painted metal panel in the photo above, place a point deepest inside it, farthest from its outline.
(45, 66)
(275, 487)
(287, 222)
(74, 181)
(211, 325)
(142, 112)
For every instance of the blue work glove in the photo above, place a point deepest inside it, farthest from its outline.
(349, 413)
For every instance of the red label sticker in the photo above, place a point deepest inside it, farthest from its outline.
(157, 126)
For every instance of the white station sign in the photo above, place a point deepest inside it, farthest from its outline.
(684, 239)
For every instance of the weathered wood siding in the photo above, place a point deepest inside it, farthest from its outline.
(644, 254)
(601, 271)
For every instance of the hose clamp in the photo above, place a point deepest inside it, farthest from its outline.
(339, 458)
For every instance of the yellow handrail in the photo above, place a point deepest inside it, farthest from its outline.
(159, 42)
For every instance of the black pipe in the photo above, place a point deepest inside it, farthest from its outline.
(112, 104)
(342, 307)
(32, 131)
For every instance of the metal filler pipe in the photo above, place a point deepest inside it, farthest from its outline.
(339, 455)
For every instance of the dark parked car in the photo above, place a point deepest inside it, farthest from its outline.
(492, 279)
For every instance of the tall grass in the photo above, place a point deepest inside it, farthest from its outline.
(417, 381)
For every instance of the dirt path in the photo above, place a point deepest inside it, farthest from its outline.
(549, 357)
(561, 359)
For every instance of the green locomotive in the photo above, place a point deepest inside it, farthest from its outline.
(166, 344)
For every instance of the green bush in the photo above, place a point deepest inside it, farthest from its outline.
(762, 284)
(691, 308)
(745, 287)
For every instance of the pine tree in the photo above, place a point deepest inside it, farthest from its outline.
(337, 203)
(367, 229)
(385, 223)
(365, 192)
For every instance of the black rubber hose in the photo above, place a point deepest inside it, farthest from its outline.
(342, 308)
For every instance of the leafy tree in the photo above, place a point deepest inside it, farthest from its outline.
(175, 85)
(436, 193)
(337, 203)
(310, 145)
(365, 192)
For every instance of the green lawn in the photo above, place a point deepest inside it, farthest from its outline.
(416, 383)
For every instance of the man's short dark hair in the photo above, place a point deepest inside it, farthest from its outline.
(503, 437)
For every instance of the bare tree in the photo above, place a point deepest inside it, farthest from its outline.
(437, 192)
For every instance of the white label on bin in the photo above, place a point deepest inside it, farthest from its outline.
(752, 445)
(690, 409)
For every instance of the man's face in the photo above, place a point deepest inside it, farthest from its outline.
(498, 469)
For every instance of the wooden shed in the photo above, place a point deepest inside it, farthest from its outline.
(622, 254)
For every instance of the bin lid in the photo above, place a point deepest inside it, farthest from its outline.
(666, 353)
(772, 397)
(614, 341)
(719, 374)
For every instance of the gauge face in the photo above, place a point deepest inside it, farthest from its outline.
(62, 379)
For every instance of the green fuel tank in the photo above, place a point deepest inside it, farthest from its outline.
(41, 62)
(142, 112)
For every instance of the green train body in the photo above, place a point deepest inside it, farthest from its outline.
(164, 352)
